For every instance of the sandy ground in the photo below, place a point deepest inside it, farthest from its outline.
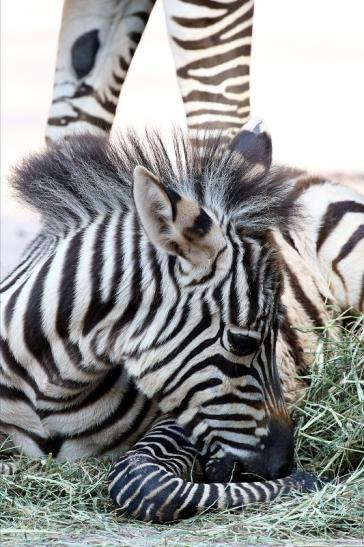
(307, 83)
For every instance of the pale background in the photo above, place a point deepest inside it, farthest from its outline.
(307, 83)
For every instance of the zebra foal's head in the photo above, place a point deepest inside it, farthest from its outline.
(218, 375)
(188, 281)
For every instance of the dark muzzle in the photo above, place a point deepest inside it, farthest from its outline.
(273, 460)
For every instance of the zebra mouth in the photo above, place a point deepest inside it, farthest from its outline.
(226, 470)
(252, 470)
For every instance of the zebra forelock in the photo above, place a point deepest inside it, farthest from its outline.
(83, 176)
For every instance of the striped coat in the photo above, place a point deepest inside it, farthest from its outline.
(102, 334)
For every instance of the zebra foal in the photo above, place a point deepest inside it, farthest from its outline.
(136, 299)
(165, 288)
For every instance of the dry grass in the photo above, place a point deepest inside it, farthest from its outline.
(51, 504)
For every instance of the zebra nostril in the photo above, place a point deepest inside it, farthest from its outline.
(274, 461)
(222, 470)
(243, 473)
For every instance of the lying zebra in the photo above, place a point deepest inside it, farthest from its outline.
(172, 298)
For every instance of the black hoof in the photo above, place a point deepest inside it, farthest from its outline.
(308, 482)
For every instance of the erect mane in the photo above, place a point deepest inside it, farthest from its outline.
(71, 182)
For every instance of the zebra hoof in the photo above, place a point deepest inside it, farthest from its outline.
(307, 482)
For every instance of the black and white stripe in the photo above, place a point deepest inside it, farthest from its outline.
(155, 288)
(210, 41)
(211, 45)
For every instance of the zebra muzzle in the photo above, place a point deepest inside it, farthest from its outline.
(272, 460)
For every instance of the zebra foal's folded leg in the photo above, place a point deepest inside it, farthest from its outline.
(97, 42)
(150, 482)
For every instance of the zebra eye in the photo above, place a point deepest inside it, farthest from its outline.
(242, 344)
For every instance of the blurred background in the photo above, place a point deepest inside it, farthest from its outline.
(307, 82)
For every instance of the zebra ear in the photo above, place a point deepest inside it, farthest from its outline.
(254, 143)
(173, 223)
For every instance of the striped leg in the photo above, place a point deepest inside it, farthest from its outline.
(211, 45)
(150, 481)
(96, 45)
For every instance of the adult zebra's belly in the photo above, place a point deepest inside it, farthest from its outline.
(106, 419)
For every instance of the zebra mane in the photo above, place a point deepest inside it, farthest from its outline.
(83, 176)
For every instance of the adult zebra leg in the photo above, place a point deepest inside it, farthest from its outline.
(211, 45)
(150, 482)
(96, 45)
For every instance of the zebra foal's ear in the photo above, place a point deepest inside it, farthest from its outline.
(254, 143)
(174, 223)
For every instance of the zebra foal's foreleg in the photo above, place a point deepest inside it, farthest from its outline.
(96, 44)
(150, 482)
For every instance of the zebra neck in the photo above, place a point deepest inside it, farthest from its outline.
(118, 281)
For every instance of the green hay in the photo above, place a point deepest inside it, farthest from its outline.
(47, 503)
